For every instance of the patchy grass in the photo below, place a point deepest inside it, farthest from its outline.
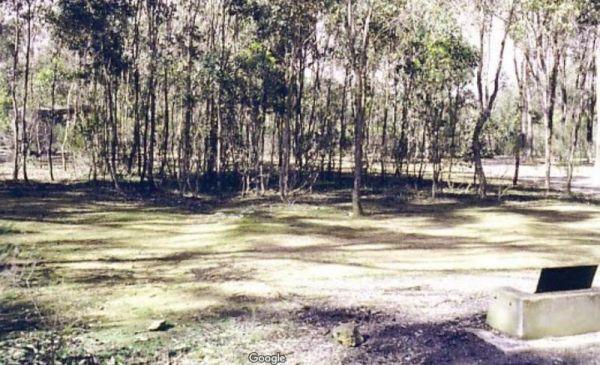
(246, 276)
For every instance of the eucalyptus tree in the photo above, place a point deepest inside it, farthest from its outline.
(437, 67)
(96, 30)
(579, 98)
(21, 26)
(365, 24)
(357, 23)
(524, 139)
(48, 85)
(584, 44)
(548, 27)
(450, 61)
(260, 84)
(29, 15)
(254, 92)
(597, 68)
(15, 50)
(485, 98)
(589, 18)
(288, 30)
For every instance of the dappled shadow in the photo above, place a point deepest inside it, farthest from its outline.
(318, 241)
(98, 277)
(222, 273)
(18, 316)
(7, 229)
(390, 339)
(72, 203)
(445, 213)
(218, 272)
(548, 215)
(83, 203)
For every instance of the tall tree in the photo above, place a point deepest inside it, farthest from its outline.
(486, 101)
(357, 24)
(24, 132)
(16, 49)
(597, 77)
(96, 30)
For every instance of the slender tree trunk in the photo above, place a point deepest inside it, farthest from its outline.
(597, 139)
(165, 143)
(185, 149)
(357, 209)
(152, 34)
(329, 121)
(135, 155)
(112, 124)
(261, 151)
(403, 142)
(284, 163)
(13, 92)
(527, 126)
(530, 129)
(285, 158)
(523, 108)
(342, 126)
(52, 119)
(572, 149)
(223, 60)
(358, 44)
(74, 115)
(383, 148)
(135, 148)
(298, 129)
(24, 133)
(579, 104)
(549, 115)
(486, 103)
(476, 143)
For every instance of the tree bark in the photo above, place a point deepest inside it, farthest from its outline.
(342, 126)
(597, 139)
(486, 105)
(152, 34)
(24, 133)
(165, 142)
(358, 44)
(52, 119)
(383, 149)
(549, 115)
(13, 89)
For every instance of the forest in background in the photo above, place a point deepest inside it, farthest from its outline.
(247, 95)
(177, 176)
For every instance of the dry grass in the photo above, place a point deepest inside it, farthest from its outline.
(111, 266)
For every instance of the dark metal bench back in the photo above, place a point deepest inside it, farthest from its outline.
(566, 278)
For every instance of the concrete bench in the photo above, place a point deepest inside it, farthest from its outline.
(564, 304)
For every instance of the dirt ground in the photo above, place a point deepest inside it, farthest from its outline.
(252, 274)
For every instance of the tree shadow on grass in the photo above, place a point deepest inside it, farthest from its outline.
(548, 215)
(390, 337)
(391, 340)
(18, 316)
(222, 273)
(318, 241)
(69, 203)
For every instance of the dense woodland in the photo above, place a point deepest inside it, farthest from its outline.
(248, 95)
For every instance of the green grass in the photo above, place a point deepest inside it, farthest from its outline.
(7, 229)
(112, 267)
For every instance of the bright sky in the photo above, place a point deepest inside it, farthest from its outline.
(471, 33)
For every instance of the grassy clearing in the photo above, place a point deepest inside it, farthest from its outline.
(106, 268)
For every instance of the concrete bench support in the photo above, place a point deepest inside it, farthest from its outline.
(533, 316)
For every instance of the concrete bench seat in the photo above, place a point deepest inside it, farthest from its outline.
(564, 304)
